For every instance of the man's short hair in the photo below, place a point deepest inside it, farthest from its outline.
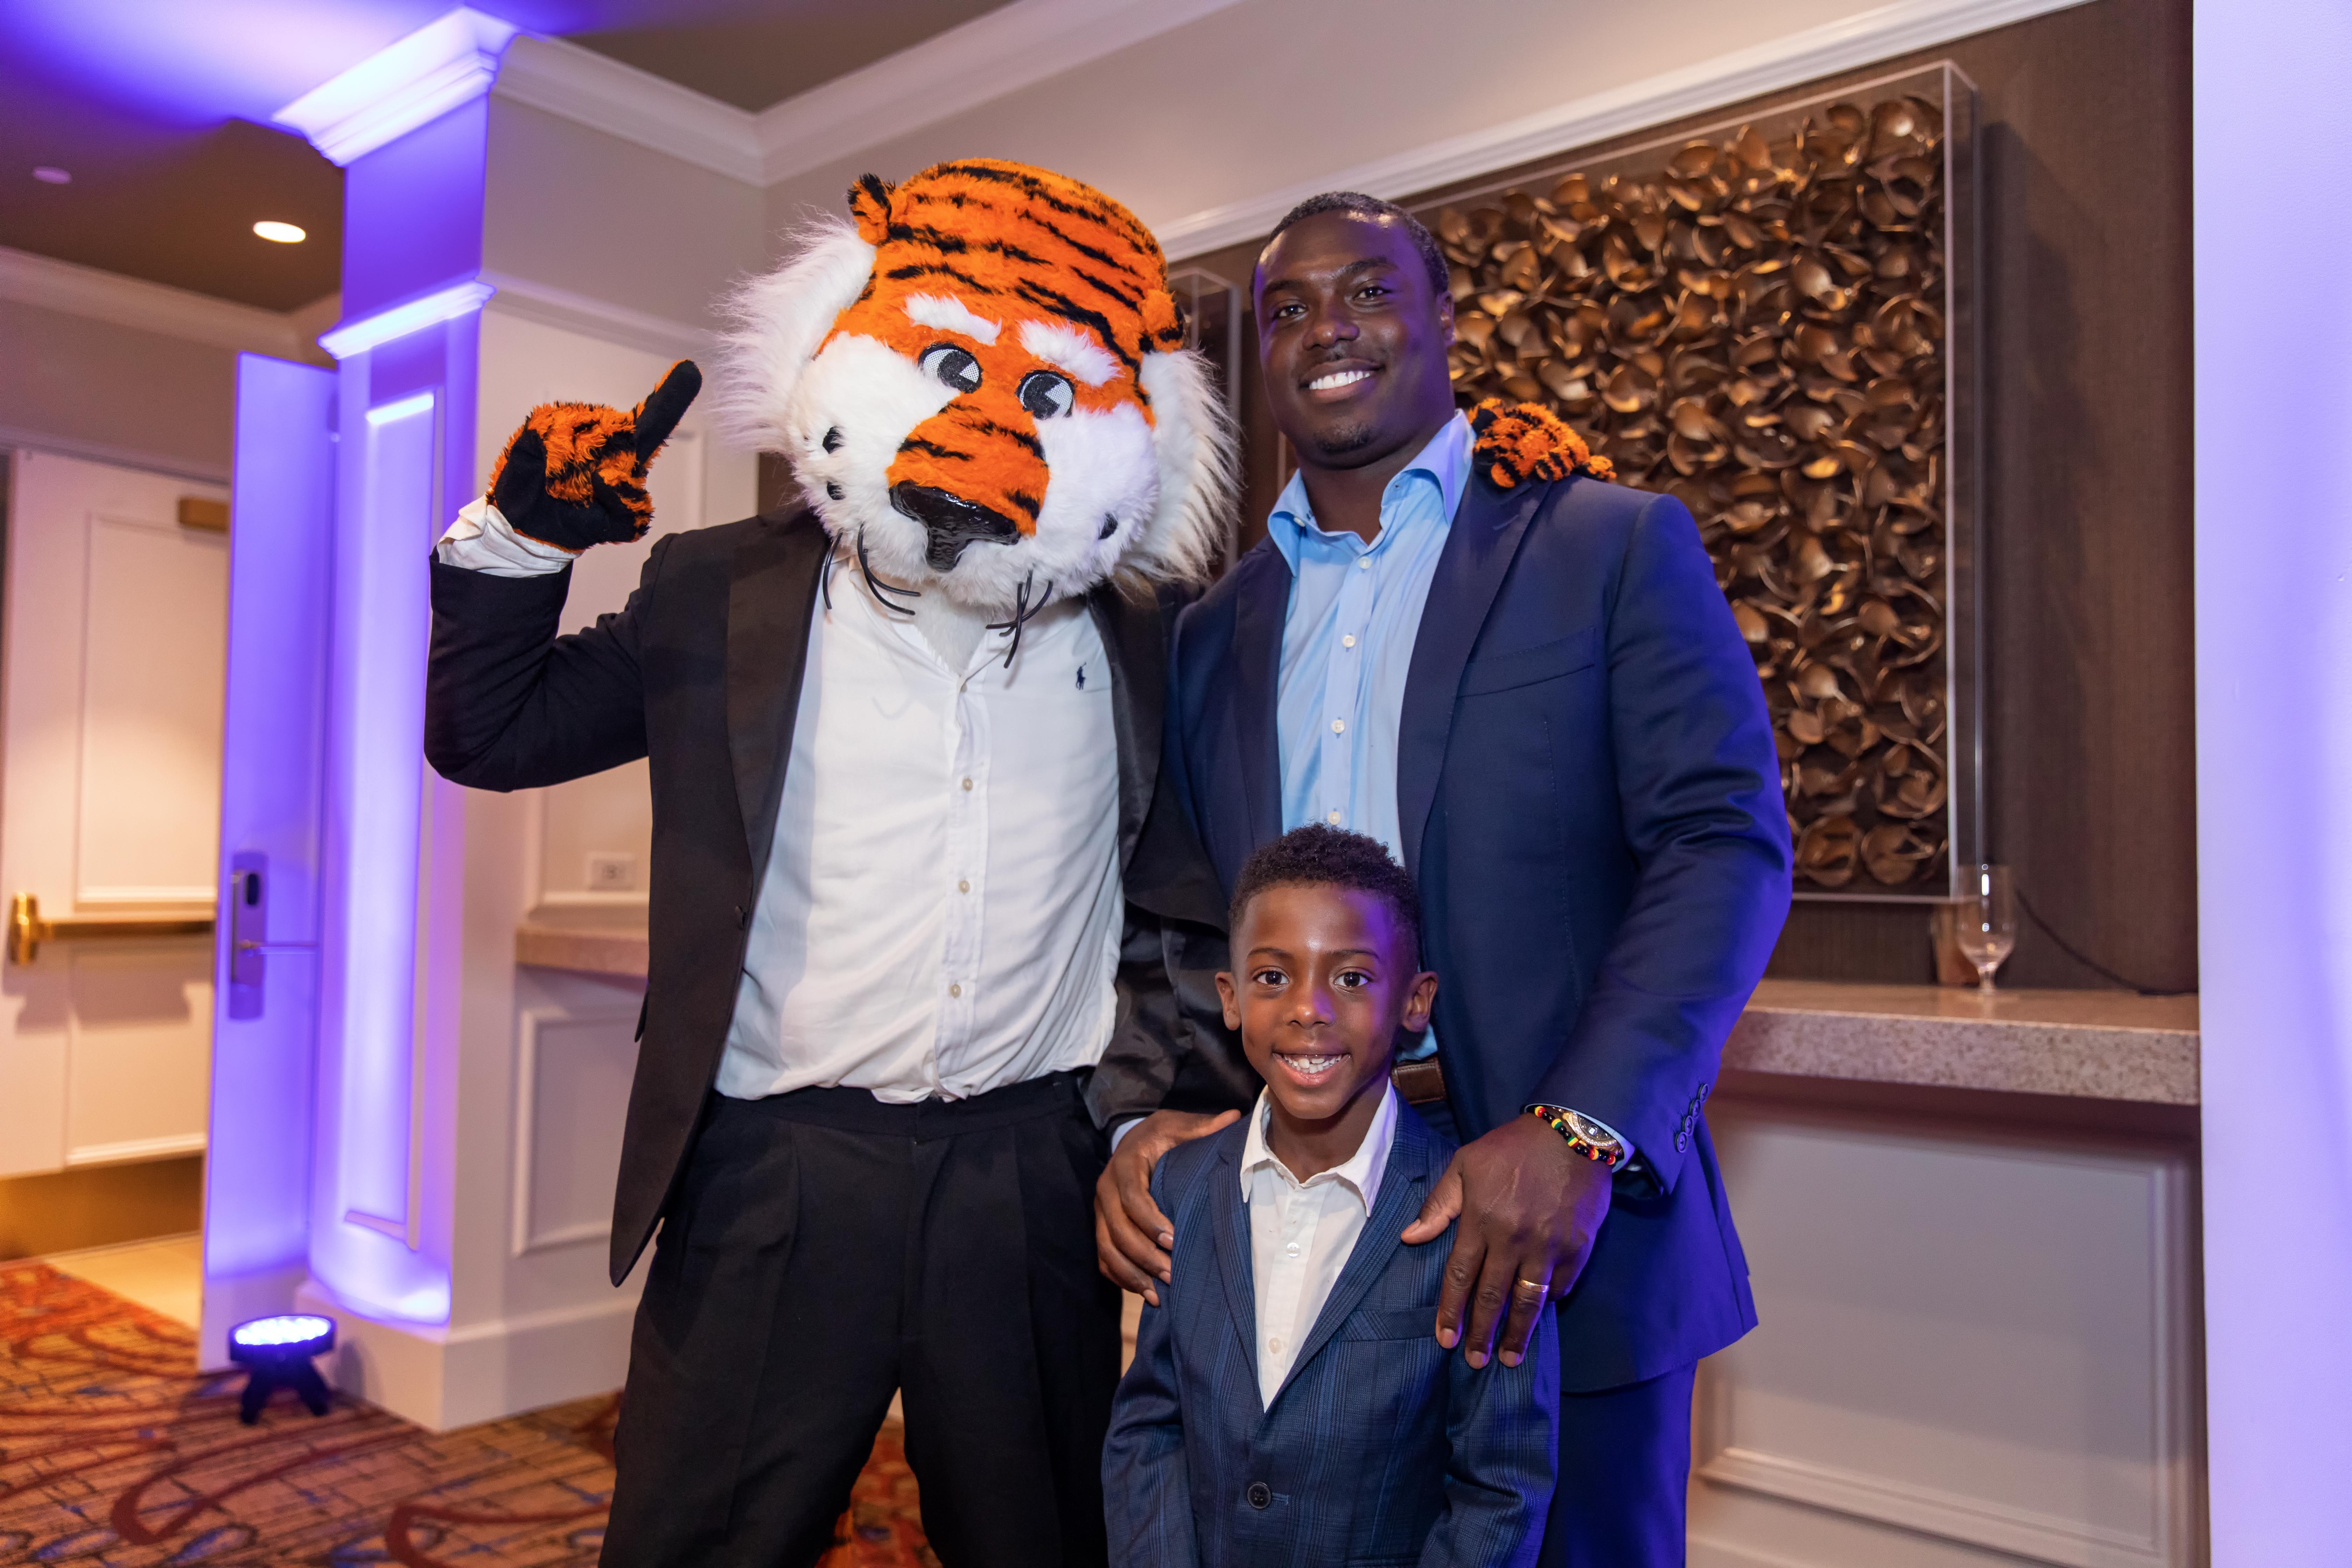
(1432, 256)
(1316, 855)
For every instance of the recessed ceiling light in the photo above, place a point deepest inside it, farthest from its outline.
(48, 175)
(283, 233)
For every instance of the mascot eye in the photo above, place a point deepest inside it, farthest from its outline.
(1047, 395)
(952, 365)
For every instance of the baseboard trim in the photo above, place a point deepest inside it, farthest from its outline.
(441, 1378)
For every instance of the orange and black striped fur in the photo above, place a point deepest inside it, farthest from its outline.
(982, 381)
(1527, 441)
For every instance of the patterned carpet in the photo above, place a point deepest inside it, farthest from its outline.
(114, 1452)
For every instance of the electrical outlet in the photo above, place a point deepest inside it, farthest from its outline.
(612, 873)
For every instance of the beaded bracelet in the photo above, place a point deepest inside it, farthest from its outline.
(1582, 1135)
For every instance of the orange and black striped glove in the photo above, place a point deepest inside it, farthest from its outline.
(573, 474)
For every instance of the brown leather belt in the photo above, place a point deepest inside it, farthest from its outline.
(1419, 1082)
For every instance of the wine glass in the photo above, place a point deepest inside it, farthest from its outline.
(1984, 922)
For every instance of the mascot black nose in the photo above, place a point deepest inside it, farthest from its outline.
(951, 521)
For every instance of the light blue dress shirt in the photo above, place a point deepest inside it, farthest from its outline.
(1346, 641)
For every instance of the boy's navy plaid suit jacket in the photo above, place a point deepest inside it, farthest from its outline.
(1380, 1449)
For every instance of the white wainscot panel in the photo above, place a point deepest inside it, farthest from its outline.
(139, 1066)
(1973, 1349)
(572, 1097)
(152, 672)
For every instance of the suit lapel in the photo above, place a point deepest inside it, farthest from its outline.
(1134, 633)
(1403, 1187)
(1263, 604)
(1478, 551)
(769, 600)
(1233, 1252)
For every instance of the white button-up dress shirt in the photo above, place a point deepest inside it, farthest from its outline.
(1302, 1234)
(941, 910)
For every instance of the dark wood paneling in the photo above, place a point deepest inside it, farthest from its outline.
(2090, 718)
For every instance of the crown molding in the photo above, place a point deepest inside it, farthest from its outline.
(377, 328)
(551, 307)
(1863, 39)
(24, 438)
(53, 285)
(563, 78)
(993, 56)
(450, 60)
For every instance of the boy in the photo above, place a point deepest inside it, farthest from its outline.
(1288, 1402)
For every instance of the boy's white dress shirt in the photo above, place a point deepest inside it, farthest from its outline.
(1301, 1233)
(940, 912)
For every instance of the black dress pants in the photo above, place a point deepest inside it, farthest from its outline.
(826, 1249)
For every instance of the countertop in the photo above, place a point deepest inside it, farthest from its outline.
(610, 943)
(2097, 1045)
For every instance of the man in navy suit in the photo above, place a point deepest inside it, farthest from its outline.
(1537, 695)
(1286, 1404)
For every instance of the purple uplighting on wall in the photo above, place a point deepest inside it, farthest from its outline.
(2274, 770)
(258, 1168)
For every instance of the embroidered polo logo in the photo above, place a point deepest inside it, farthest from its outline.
(1082, 678)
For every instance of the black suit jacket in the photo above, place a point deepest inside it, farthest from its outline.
(1589, 799)
(700, 673)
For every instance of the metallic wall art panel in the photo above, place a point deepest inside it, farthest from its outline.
(1775, 321)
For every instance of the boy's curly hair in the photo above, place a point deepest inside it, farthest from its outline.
(1317, 856)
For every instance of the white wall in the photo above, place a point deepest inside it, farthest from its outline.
(94, 388)
(1270, 93)
(2273, 773)
(574, 209)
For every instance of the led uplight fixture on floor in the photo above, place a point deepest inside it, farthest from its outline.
(276, 1353)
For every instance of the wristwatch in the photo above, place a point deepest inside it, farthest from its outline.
(1589, 1138)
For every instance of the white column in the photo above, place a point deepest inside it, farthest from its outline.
(2273, 257)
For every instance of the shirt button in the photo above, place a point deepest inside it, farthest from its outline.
(967, 783)
(1338, 726)
(1291, 1251)
(1364, 562)
(963, 887)
(1275, 1345)
(1333, 819)
(1347, 641)
(955, 990)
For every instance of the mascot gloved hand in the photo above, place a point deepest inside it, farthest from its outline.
(573, 474)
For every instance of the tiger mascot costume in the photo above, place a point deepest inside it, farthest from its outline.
(903, 739)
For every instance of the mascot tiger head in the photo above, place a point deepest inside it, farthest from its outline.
(982, 388)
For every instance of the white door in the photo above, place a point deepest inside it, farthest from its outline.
(114, 634)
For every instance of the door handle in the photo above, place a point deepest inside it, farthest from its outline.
(27, 930)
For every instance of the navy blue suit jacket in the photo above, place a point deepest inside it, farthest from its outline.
(1590, 801)
(1380, 1448)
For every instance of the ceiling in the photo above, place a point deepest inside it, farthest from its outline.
(160, 111)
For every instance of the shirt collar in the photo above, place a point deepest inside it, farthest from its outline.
(1360, 1173)
(1443, 461)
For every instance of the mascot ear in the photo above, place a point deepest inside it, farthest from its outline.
(776, 322)
(1192, 439)
(869, 204)
(1161, 330)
